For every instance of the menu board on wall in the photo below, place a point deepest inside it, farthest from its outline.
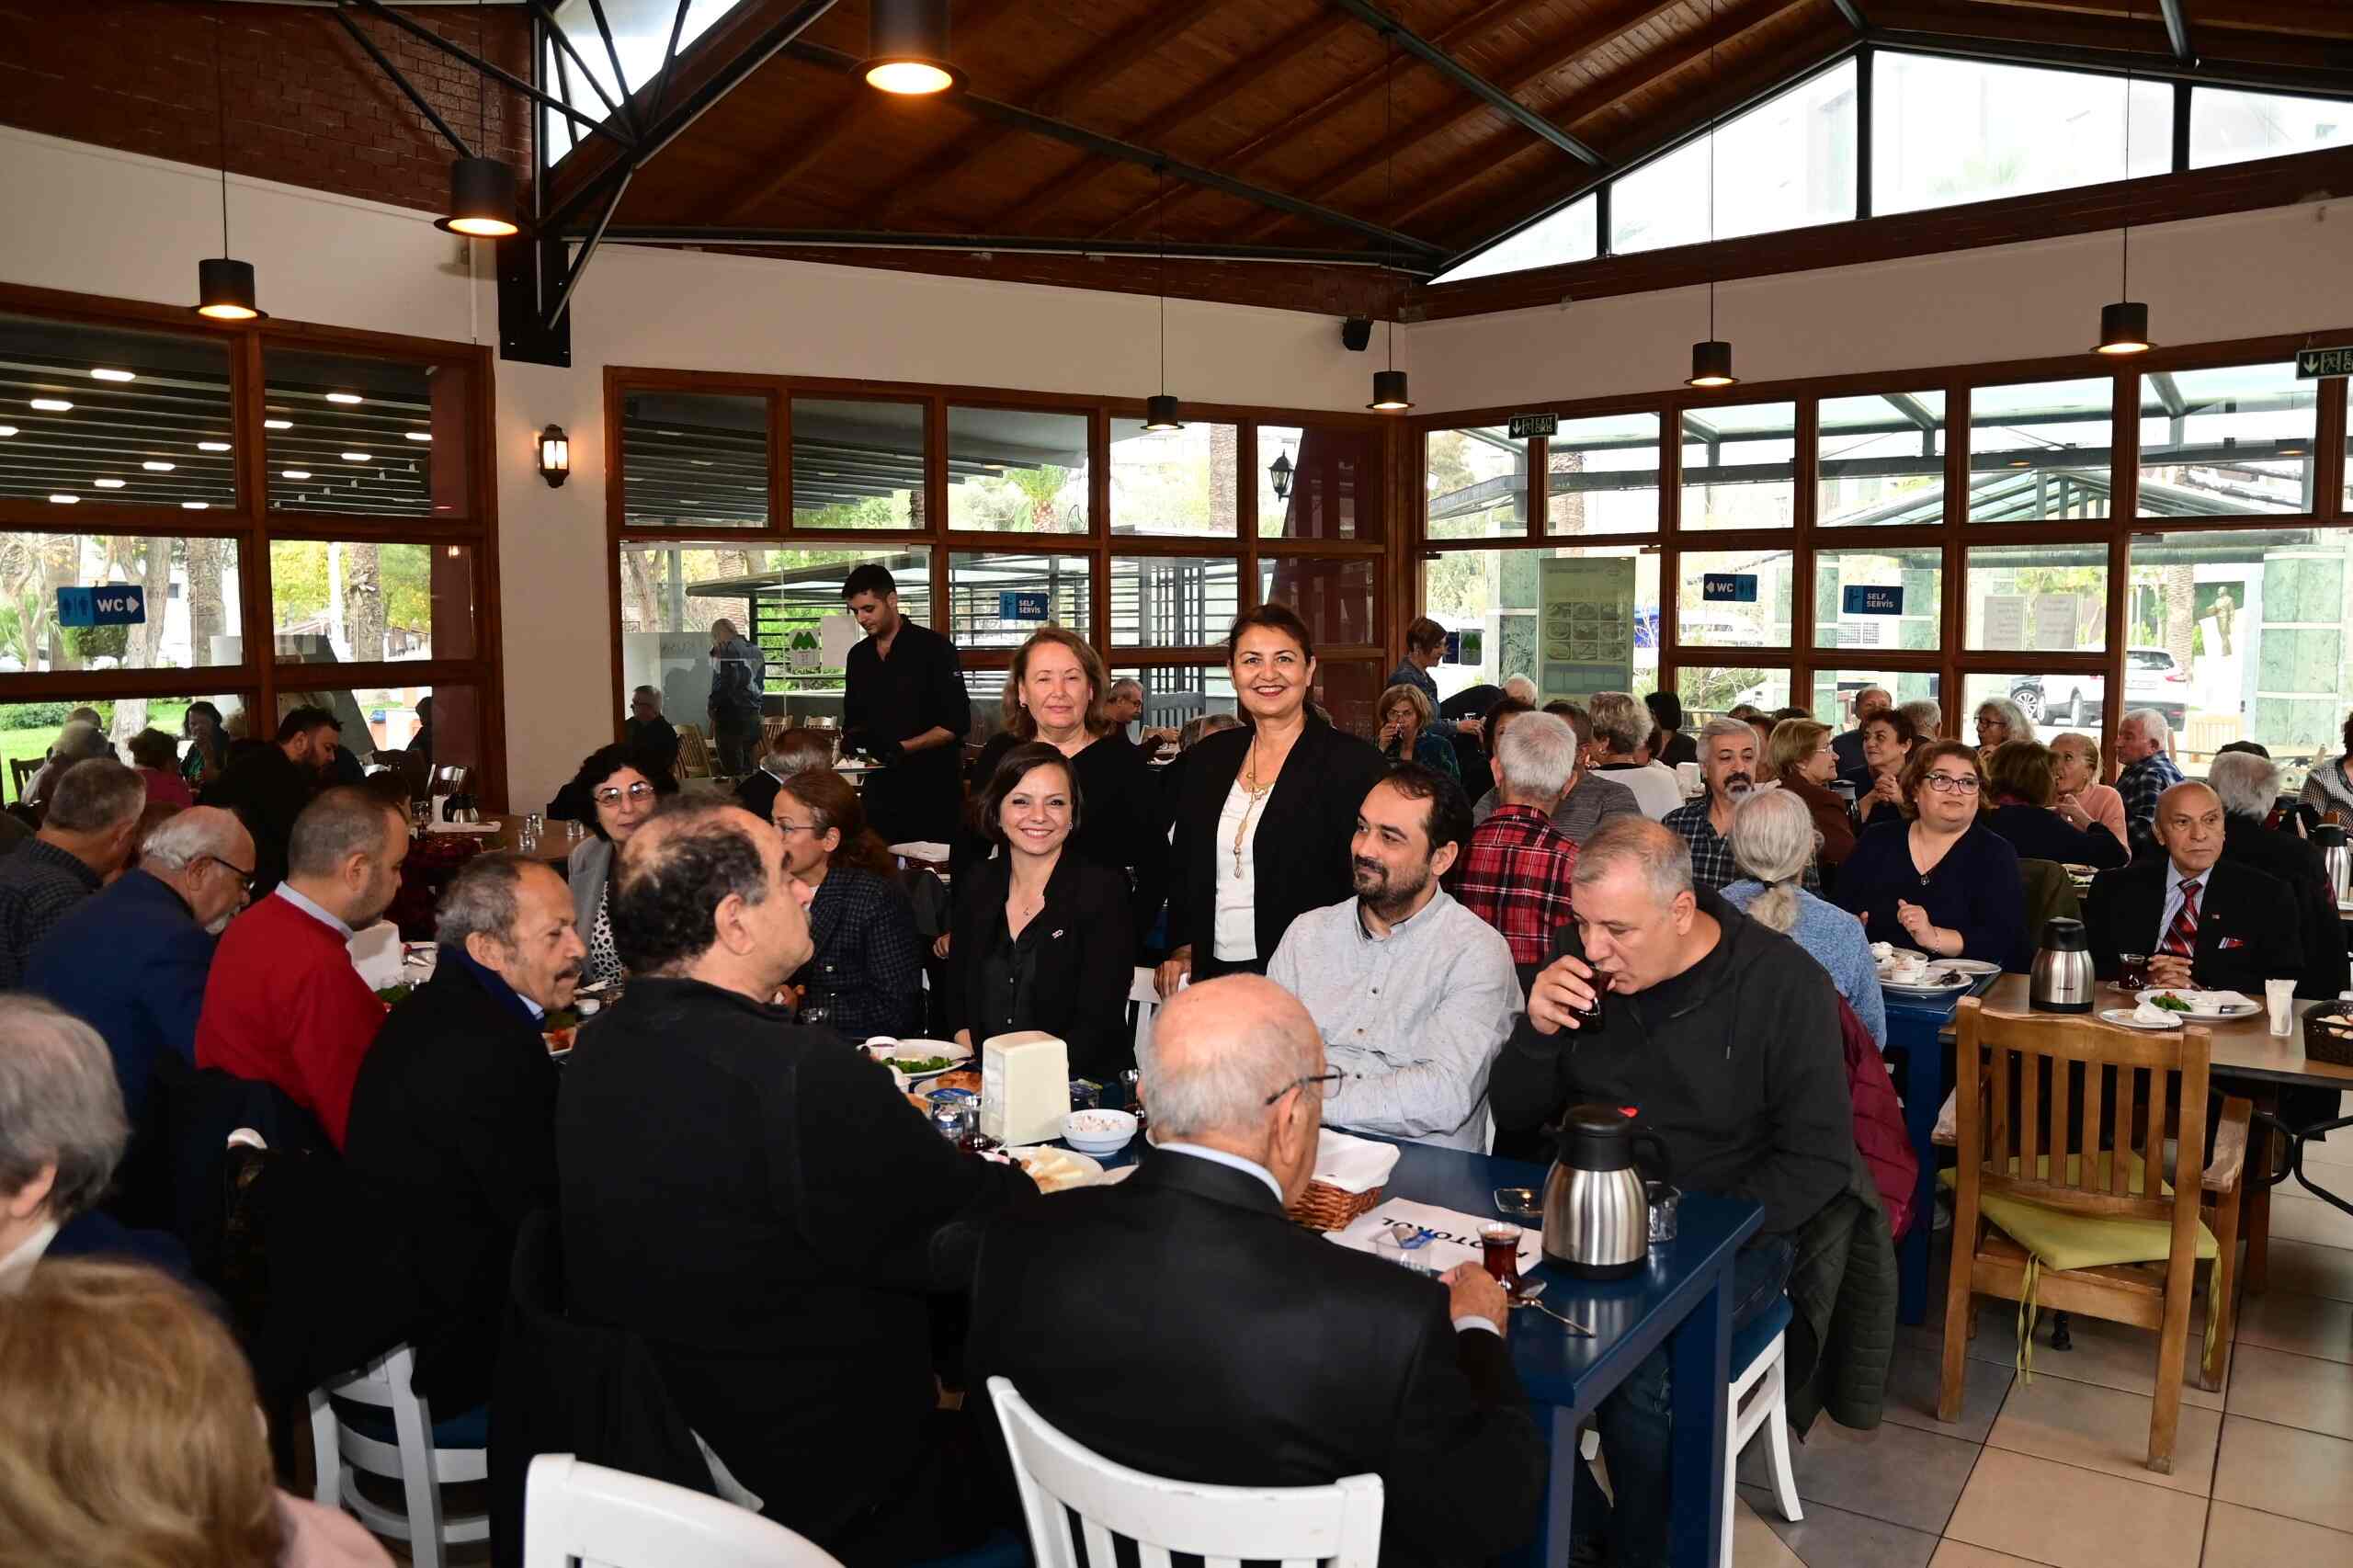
(1589, 626)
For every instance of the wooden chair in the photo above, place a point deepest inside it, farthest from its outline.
(694, 753)
(21, 770)
(2073, 1158)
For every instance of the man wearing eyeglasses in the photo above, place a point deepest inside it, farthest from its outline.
(2205, 923)
(131, 960)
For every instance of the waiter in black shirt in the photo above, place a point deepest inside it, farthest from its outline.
(904, 705)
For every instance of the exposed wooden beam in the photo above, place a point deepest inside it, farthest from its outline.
(1155, 130)
(2298, 18)
(2177, 29)
(1640, 76)
(1062, 93)
(1334, 102)
(1499, 100)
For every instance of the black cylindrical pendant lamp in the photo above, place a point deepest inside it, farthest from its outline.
(907, 48)
(482, 200)
(224, 290)
(1389, 395)
(2124, 328)
(1160, 414)
(1711, 365)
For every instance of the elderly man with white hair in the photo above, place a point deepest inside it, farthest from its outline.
(61, 1135)
(1620, 728)
(2203, 921)
(1266, 1356)
(2249, 787)
(1514, 872)
(87, 834)
(1521, 686)
(2143, 748)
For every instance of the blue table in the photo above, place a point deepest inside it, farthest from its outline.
(1918, 1028)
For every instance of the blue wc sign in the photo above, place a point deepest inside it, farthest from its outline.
(112, 605)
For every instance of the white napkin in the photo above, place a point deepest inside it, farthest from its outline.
(1354, 1164)
(1454, 1236)
(376, 953)
(920, 849)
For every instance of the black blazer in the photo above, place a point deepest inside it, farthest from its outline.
(1179, 1324)
(2297, 863)
(1086, 958)
(1123, 819)
(2248, 927)
(769, 1216)
(452, 1135)
(757, 793)
(1299, 836)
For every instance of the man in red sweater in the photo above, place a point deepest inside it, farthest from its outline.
(283, 1005)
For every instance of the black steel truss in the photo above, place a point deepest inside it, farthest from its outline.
(1469, 81)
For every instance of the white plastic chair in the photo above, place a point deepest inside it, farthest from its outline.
(1764, 1385)
(420, 1467)
(1337, 1526)
(584, 1516)
(1144, 991)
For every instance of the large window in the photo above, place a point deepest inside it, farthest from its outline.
(1332, 488)
(1948, 132)
(1881, 459)
(1880, 598)
(1601, 475)
(1733, 598)
(2227, 442)
(1016, 470)
(94, 415)
(2040, 452)
(997, 601)
(2229, 127)
(694, 460)
(365, 437)
(357, 601)
(1784, 165)
(1567, 235)
(1478, 484)
(2048, 599)
(1172, 601)
(1736, 466)
(1576, 620)
(582, 77)
(858, 464)
(188, 591)
(1180, 482)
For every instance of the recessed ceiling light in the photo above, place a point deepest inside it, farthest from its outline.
(699, 462)
(52, 406)
(7, 430)
(418, 435)
(295, 473)
(152, 467)
(213, 446)
(357, 458)
(193, 505)
(104, 374)
(277, 424)
(108, 484)
(343, 397)
(63, 500)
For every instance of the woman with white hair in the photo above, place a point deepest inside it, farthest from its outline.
(1999, 721)
(1773, 841)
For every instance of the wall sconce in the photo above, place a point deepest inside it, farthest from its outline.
(555, 455)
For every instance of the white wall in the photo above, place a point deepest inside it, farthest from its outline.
(2207, 280)
(99, 222)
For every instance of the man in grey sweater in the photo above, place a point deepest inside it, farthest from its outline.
(1590, 801)
(1413, 992)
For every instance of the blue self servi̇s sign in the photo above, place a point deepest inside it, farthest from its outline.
(1869, 598)
(1728, 588)
(108, 606)
(1016, 605)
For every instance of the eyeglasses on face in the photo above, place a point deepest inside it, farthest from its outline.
(1952, 783)
(609, 796)
(1330, 1083)
(239, 872)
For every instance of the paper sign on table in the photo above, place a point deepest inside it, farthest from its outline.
(1454, 1238)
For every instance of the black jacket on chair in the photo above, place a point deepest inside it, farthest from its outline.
(452, 1134)
(2248, 927)
(1181, 1325)
(757, 1203)
(1084, 960)
(1299, 839)
(2297, 863)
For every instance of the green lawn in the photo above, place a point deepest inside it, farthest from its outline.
(164, 714)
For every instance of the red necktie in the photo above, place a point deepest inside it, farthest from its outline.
(2181, 937)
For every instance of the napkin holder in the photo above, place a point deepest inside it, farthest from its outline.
(1025, 1086)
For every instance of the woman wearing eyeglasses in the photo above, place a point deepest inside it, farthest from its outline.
(620, 797)
(1942, 882)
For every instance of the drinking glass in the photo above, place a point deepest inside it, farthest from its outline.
(1664, 1203)
(1499, 1253)
(2132, 970)
(532, 822)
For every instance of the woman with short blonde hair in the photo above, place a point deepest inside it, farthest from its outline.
(1798, 757)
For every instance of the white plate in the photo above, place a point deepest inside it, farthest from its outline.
(1078, 1171)
(1969, 966)
(2238, 1007)
(917, 1049)
(2124, 1017)
(1894, 988)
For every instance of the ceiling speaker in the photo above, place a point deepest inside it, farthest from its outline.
(1356, 334)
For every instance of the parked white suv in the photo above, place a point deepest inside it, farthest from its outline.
(2152, 679)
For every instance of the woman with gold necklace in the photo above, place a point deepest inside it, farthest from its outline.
(1266, 812)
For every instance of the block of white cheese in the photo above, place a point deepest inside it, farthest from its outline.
(1025, 1086)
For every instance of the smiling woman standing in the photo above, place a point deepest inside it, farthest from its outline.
(1266, 813)
(1054, 694)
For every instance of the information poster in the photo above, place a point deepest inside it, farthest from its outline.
(2055, 618)
(1587, 644)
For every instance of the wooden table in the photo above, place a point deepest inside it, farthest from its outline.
(554, 844)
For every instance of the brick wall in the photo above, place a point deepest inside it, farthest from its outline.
(305, 105)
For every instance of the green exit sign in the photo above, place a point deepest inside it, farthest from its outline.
(1524, 425)
(2313, 364)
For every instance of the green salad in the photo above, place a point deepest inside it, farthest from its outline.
(912, 1065)
(394, 996)
(560, 1019)
(2170, 1003)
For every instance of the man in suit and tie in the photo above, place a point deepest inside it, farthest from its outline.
(1263, 1355)
(2205, 922)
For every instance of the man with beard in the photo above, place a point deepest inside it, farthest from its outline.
(1413, 992)
(453, 1117)
(1728, 761)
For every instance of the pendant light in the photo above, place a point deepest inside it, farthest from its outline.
(907, 48)
(224, 286)
(482, 189)
(1389, 393)
(2124, 325)
(1711, 360)
(1161, 414)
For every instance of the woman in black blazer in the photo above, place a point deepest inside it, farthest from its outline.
(1265, 814)
(1042, 938)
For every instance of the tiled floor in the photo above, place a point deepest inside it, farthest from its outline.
(2051, 1473)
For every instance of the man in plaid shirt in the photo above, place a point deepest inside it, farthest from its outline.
(1515, 874)
(2141, 740)
(1728, 761)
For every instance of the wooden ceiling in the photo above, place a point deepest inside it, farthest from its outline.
(1367, 152)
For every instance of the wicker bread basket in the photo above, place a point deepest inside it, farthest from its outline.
(1325, 1208)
